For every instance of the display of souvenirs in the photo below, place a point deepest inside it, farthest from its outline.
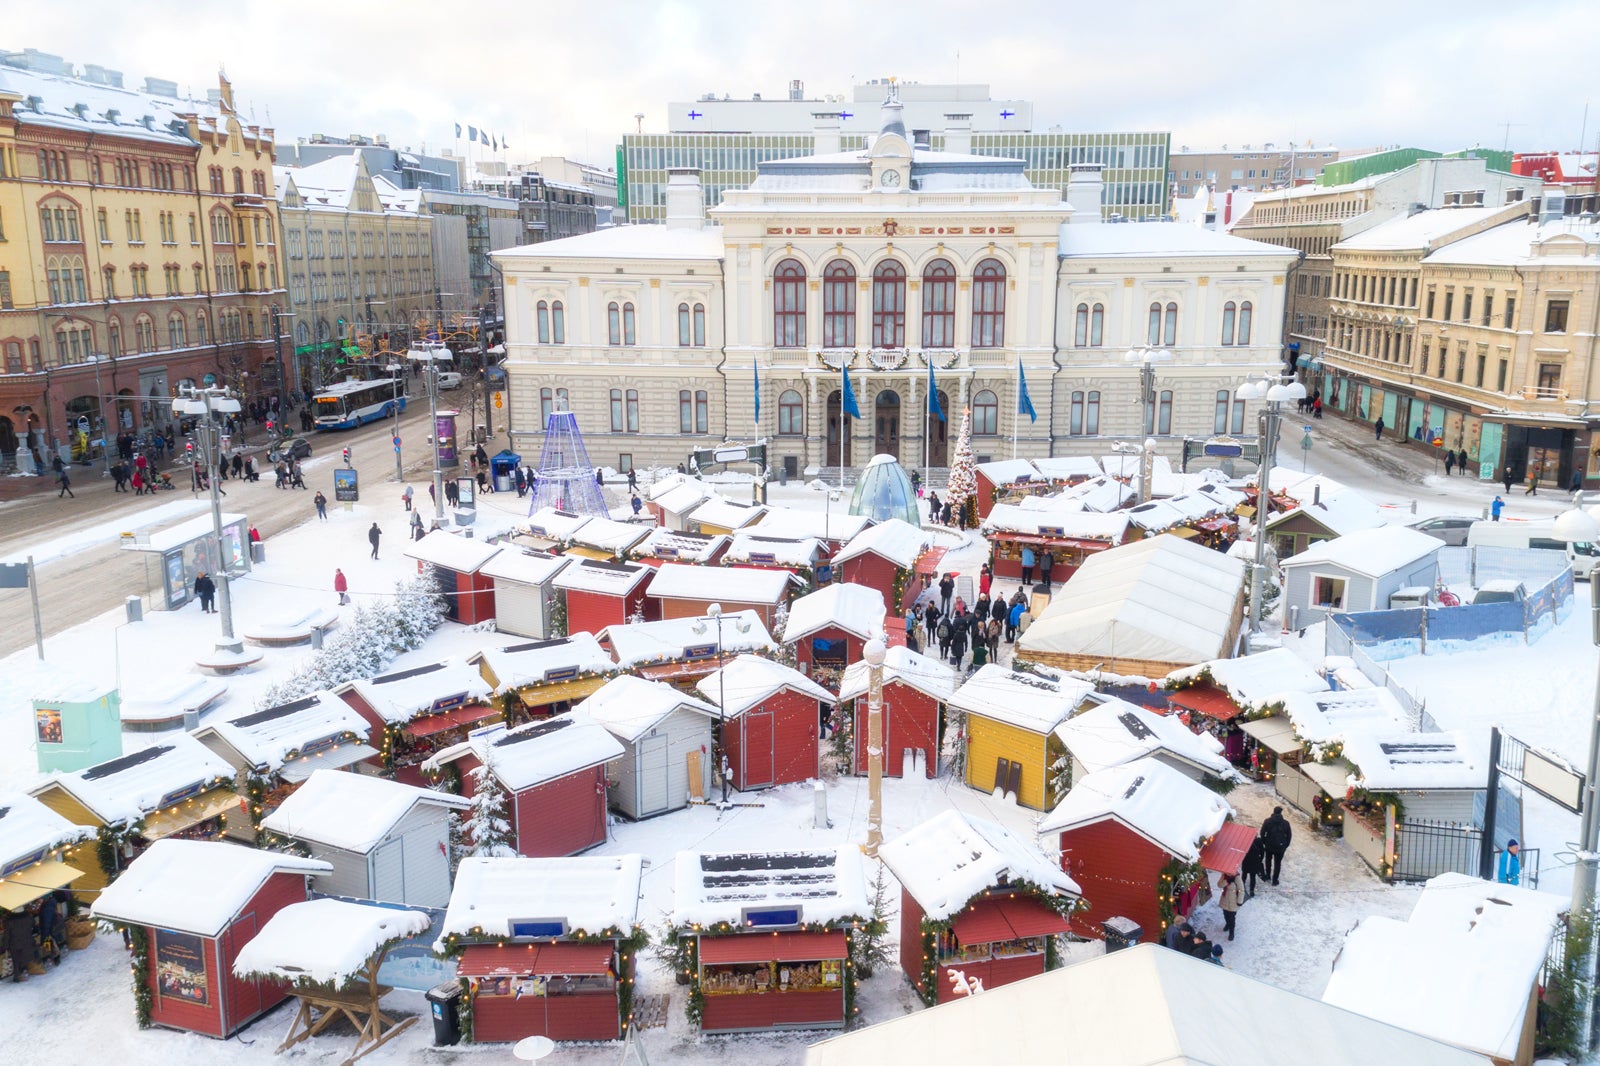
(952, 950)
(772, 977)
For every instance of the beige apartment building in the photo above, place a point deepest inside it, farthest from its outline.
(1254, 167)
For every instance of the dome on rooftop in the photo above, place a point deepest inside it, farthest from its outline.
(884, 491)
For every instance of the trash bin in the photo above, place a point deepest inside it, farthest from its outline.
(503, 468)
(444, 1002)
(1119, 933)
(258, 552)
(135, 608)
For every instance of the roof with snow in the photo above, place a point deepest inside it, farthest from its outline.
(750, 680)
(535, 752)
(585, 893)
(1102, 493)
(1406, 762)
(952, 857)
(1161, 599)
(931, 676)
(1165, 240)
(1319, 717)
(895, 539)
(1373, 552)
(127, 788)
(1344, 513)
(609, 579)
(685, 639)
(1418, 232)
(194, 886)
(625, 242)
(28, 828)
(681, 495)
(1525, 242)
(608, 534)
(793, 524)
(664, 543)
(825, 887)
(325, 941)
(1066, 467)
(727, 514)
(1005, 471)
(629, 706)
(774, 551)
(352, 812)
(1185, 507)
(670, 483)
(552, 523)
(736, 584)
(524, 567)
(269, 738)
(401, 695)
(106, 110)
(1035, 702)
(1301, 486)
(451, 551)
(1065, 520)
(1257, 681)
(1173, 812)
(1118, 732)
(538, 662)
(856, 609)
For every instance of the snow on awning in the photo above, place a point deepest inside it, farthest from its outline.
(428, 725)
(1276, 734)
(335, 758)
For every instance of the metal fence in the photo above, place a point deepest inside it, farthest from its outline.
(1427, 849)
(1396, 634)
(1336, 641)
(1474, 566)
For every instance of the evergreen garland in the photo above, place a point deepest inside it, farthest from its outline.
(464, 1010)
(1176, 876)
(110, 839)
(139, 962)
(1569, 991)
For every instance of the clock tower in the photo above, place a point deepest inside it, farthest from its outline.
(891, 149)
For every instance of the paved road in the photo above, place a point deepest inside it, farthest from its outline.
(87, 573)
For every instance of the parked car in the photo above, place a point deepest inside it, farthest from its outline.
(292, 448)
(1452, 529)
(449, 379)
(1503, 591)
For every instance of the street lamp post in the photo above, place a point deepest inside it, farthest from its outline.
(874, 653)
(1579, 526)
(1274, 395)
(429, 353)
(205, 404)
(395, 370)
(714, 612)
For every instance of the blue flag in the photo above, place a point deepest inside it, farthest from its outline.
(458, 131)
(1024, 404)
(933, 396)
(848, 403)
(472, 133)
(756, 371)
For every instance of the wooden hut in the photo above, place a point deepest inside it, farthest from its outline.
(1359, 571)
(671, 500)
(458, 567)
(665, 545)
(799, 556)
(974, 898)
(412, 713)
(1010, 719)
(1216, 696)
(1003, 480)
(191, 907)
(717, 514)
(684, 591)
(39, 851)
(545, 946)
(916, 689)
(884, 556)
(546, 676)
(606, 539)
(524, 590)
(1115, 732)
(1063, 471)
(385, 841)
(771, 936)
(834, 528)
(666, 738)
(829, 627)
(1061, 529)
(604, 594)
(1288, 744)
(770, 718)
(683, 650)
(550, 528)
(1321, 516)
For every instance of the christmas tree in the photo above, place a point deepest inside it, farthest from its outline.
(488, 826)
(962, 491)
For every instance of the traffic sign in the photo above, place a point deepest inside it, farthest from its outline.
(1305, 443)
(397, 443)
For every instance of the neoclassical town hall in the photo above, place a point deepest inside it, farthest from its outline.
(889, 261)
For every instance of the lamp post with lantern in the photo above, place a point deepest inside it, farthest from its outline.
(1273, 394)
(874, 653)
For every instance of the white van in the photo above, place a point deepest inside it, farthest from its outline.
(1541, 534)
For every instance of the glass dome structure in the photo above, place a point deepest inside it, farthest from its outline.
(884, 491)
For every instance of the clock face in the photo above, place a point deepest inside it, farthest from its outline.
(890, 179)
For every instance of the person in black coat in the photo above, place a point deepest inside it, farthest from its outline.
(1047, 562)
(205, 589)
(959, 631)
(19, 943)
(999, 609)
(1276, 835)
(947, 589)
(1251, 867)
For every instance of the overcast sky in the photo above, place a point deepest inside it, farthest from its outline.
(567, 78)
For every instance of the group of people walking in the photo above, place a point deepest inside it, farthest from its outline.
(941, 618)
(1262, 863)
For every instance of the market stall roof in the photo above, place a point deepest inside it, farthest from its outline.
(1318, 717)
(554, 524)
(1126, 465)
(218, 800)
(820, 887)
(895, 539)
(451, 551)
(127, 788)
(952, 857)
(194, 886)
(1345, 513)
(1407, 762)
(524, 567)
(928, 675)
(1037, 702)
(1068, 467)
(1257, 681)
(671, 483)
(1205, 700)
(1161, 599)
(325, 941)
(1299, 485)
(1275, 733)
(542, 662)
(581, 893)
(734, 584)
(1457, 901)
(564, 959)
(1187, 507)
(773, 947)
(353, 812)
(1005, 471)
(29, 831)
(637, 644)
(535, 752)
(681, 545)
(751, 679)
(1118, 732)
(855, 609)
(164, 698)
(1060, 522)
(681, 496)
(721, 513)
(836, 526)
(609, 535)
(1008, 917)
(1150, 798)
(1225, 852)
(629, 707)
(1192, 1012)
(1372, 552)
(610, 579)
(774, 551)
(1103, 493)
(402, 695)
(267, 739)
(181, 534)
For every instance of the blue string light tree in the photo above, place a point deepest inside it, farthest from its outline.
(565, 478)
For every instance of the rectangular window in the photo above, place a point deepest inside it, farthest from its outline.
(1511, 311)
(633, 410)
(1430, 304)
(1075, 426)
(699, 325)
(1164, 413)
(702, 412)
(1466, 306)
(102, 227)
(1555, 316)
(685, 411)
(1501, 386)
(628, 336)
(1449, 303)
(1091, 415)
(1328, 592)
(1488, 306)
(616, 411)
(1219, 423)
(1549, 377)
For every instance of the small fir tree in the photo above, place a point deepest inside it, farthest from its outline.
(488, 823)
(962, 491)
(869, 947)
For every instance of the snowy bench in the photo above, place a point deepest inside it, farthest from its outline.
(281, 632)
(170, 704)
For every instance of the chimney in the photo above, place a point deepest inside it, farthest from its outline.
(1316, 495)
(686, 207)
(958, 134)
(1084, 191)
(825, 132)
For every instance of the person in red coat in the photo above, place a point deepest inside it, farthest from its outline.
(984, 577)
(341, 586)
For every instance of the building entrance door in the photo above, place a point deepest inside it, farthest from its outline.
(886, 435)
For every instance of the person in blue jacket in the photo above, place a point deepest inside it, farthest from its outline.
(1510, 872)
(1495, 508)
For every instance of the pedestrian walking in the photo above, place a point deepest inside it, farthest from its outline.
(416, 525)
(1461, 460)
(1014, 619)
(1378, 428)
(1506, 478)
(943, 631)
(1449, 463)
(958, 640)
(138, 483)
(1251, 868)
(238, 466)
(433, 495)
(1533, 481)
(204, 590)
(1510, 869)
(947, 588)
(296, 475)
(1232, 899)
(1027, 565)
(633, 480)
(372, 538)
(985, 578)
(933, 506)
(406, 497)
(341, 586)
(1046, 564)
(65, 480)
(322, 505)
(1276, 836)
(1495, 508)
(1316, 408)
(1576, 485)
(599, 477)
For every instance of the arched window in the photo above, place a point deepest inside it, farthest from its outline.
(989, 305)
(839, 305)
(200, 328)
(147, 333)
(939, 305)
(889, 305)
(558, 316)
(542, 315)
(1155, 325)
(302, 333)
(683, 326)
(699, 325)
(176, 334)
(791, 414)
(789, 305)
(613, 324)
(1229, 310)
(114, 338)
(1172, 325)
(1164, 412)
(629, 338)
(1080, 334)
(985, 414)
(1246, 312)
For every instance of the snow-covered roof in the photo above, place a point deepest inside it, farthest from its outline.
(792, 524)
(588, 893)
(162, 696)
(1064, 520)
(1524, 242)
(524, 567)
(267, 739)
(926, 674)
(536, 662)
(856, 609)
(611, 579)
(727, 514)
(70, 688)
(624, 242)
(684, 639)
(824, 886)
(1458, 901)
(1320, 717)
(1067, 467)
(194, 886)
(1103, 493)
(552, 523)
(681, 496)
(535, 752)
(751, 679)
(107, 110)
(895, 539)
(631, 706)
(1394, 762)
(28, 827)
(1005, 471)
(1301, 486)
(451, 551)
(952, 857)
(1158, 515)
(610, 535)
(1173, 812)
(353, 812)
(1373, 552)
(1163, 240)
(1161, 599)
(1257, 681)
(182, 533)
(325, 941)
(1418, 232)
(127, 788)
(1118, 732)
(1035, 702)
(1344, 513)
(664, 543)
(774, 551)
(671, 483)
(736, 584)
(401, 695)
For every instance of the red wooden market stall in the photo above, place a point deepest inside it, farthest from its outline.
(886, 557)
(686, 591)
(415, 712)
(1068, 535)
(915, 691)
(605, 594)
(829, 627)
(769, 717)
(457, 566)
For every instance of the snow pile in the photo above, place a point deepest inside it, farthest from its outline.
(1035, 702)
(1118, 732)
(267, 739)
(750, 680)
(855, 609)
(630, 706)
(352, 812)
(734, 584)
(1257, 681)
(587, 893)
(403, 695)
(534, 662)
(672, 639)
(950, 858)
(28, 827)
(894, 539)
(789, 524)
(751, 550)
(125, 789)
(536, 752)
(931, 676)
(194, 886)
(1150, 798)
(327, 942)
(719, 513)
(823, 886)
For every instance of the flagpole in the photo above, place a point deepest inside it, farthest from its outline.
(844, 416)
(1016, 416)
(927, 431)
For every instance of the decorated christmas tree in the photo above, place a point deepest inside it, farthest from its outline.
(962, 491)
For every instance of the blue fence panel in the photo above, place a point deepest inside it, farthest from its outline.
(1475, 622)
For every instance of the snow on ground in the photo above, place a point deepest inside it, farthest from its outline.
(106, 532)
